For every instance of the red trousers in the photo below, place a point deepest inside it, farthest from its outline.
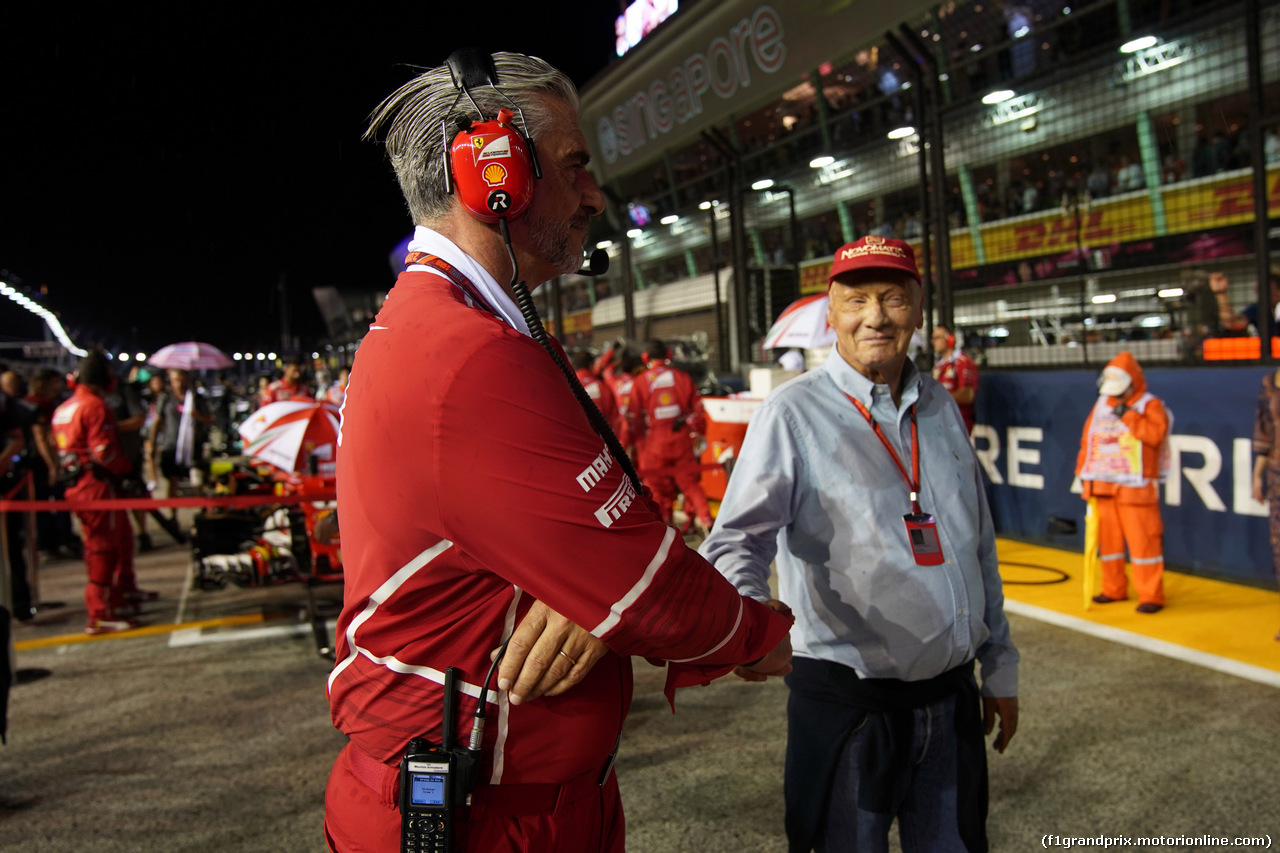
(108, 558)
(1138, 526)
(359, 820)
(667, 477)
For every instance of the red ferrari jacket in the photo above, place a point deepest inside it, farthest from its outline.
(665, 411)
(470, 484)
(279, 390)
(85, 430)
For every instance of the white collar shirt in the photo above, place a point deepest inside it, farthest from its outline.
(435, 243)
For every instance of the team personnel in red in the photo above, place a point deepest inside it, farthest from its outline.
(476, 501)
(289, 386)
(596, 389)
(956, 372)
(665, 412)
(85, 431)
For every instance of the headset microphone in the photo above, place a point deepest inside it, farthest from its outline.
(597, 264)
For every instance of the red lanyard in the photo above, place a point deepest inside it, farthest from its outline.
(455, 275)
(913, 479)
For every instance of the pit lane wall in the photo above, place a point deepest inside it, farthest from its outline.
(1027, 436)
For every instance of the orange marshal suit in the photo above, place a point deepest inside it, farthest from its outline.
(1119, 465)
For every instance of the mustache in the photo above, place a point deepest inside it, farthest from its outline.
(580, 220)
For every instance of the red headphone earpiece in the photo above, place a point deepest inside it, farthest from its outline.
(492, 169)
(951, 340)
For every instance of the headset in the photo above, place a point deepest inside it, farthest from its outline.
(490, 163)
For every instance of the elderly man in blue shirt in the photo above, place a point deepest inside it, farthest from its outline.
(859, 479)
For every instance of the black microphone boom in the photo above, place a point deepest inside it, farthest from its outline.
(597, 265)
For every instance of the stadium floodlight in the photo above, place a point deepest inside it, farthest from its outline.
(50, 319)
(1138, 44)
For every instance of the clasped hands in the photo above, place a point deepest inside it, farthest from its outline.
(547, 654)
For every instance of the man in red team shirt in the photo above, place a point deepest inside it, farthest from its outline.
(476, 502)
(956, 372)
(89, 449)
(665, 412)
(289, 386)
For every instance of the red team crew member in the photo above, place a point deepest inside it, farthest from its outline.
(665, 412)
(599, 392)
(476, 501)
(956, 372)
(289, 386)
(85, 431)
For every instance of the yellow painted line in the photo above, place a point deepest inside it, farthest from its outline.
(1210, 617)
(143, 631)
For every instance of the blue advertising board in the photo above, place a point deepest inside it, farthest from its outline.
(1027, 438)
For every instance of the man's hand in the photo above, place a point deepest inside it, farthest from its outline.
(1218, 282)
(1006, 707)
(546, 655)
(778, 661)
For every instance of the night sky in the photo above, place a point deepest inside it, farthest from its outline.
(162, 172)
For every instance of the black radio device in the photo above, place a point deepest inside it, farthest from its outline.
(434, 780)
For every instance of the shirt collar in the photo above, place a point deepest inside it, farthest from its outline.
(862, 389)
(435, 243)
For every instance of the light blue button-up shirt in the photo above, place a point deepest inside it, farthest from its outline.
(814, 487)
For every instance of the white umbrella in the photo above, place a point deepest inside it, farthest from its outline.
(802, 324)
(288, 433)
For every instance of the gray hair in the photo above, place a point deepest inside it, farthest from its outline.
(414, 113)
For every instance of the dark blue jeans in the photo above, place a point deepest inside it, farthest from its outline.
(924, 801)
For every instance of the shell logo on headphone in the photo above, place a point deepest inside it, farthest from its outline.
(494, 175)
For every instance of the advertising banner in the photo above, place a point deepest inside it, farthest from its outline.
(1206, 219)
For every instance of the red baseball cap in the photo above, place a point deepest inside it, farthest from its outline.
(874, 253)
